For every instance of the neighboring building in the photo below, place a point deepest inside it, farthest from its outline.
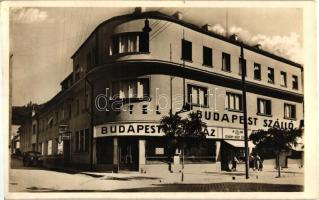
(150, 62)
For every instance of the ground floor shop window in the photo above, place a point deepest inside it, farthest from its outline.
(156, 151)
(200, 151)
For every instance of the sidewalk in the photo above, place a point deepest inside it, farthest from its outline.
(288, 176)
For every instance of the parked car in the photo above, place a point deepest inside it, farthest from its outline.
(32, 158)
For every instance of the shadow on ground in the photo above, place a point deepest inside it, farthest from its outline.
(212, 187)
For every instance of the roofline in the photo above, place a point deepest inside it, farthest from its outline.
(161, 16)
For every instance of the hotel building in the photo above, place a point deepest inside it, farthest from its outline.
(134, 69)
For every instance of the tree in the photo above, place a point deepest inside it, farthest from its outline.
(177, 130)
(278, 140)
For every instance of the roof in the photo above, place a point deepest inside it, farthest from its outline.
(161, 16)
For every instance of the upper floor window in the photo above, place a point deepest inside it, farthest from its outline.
(241, 66)
(283, 78)
(34, 129)
(257, 71)
(271, 75)
(295, 82)
(135, 88)
(186, 50)
(86, 101)
(77, 106)
(207, 56)
(263, 106)
(197, 95)
(290, 111)
(125, 43)
(77, 72)
(226, 62)
(234, 101)
(89, 62)
(69, 111)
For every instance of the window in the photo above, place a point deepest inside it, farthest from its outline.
(197, 95)
(86, 101)
(56, 117)
(89, 61)
(295, 82)
(49, 147)
(186, 50)
(271, 75)
(62, 112)
(226, 62)
(125, 43)
(82, 140)
(40, 148)
(87, 139)
(77, 137)
(207, 56)
(234, 101)
(257, 71)
(77, 106)
(263, 107)
(34, 129)
(50, 122)
(290, 111)
(136, 88)
(69, 111)
(283, 79)
(77, 72)
(241, 67)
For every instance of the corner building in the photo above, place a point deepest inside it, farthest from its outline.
(133, 69)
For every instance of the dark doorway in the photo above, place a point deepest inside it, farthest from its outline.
(66, 150)
(128, 153)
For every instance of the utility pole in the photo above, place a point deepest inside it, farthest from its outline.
(243, 76)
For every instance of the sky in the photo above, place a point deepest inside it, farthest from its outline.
(42, 40)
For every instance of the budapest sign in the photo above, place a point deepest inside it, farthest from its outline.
(140, 129)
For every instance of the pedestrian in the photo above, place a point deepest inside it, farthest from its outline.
(234, 163)
(251, 161)
(257, 161)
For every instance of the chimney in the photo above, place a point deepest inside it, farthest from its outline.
(258, 46)
(208, 27)
(234, 37)
(178, 15)
(139, 10)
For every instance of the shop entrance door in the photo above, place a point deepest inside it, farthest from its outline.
(128, 154)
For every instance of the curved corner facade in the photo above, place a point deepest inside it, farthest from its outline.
(134, 69)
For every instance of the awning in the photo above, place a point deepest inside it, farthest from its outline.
(239, 143)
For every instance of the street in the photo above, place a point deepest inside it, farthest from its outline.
(33, 179)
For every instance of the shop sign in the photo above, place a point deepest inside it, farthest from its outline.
(132, 129)
(235, 134)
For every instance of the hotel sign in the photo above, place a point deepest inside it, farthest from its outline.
(140, 129)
